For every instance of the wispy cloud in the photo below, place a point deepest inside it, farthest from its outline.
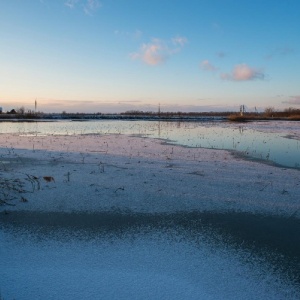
(91, 6)
(198, 108)
(45, 3)
(243, 72)
(88, 6)
(207, 66)
(130, 101)
(179, 40)
(158, 51)
(293, 100)
(71, 3)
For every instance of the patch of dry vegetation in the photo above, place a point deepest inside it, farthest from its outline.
(10, 189)
(294, 117)
(290, 114)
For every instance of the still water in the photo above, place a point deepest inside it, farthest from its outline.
(273, 142)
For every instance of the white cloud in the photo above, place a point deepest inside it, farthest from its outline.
(158, 51)
(207, 66)
(243, 72)
(153, 53)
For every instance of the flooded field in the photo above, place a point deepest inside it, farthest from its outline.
(275, 142)
(128, 217)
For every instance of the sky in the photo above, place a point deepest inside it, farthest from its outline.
(117, 55)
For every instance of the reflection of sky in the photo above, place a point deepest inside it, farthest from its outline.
(268, 146)
(149, 260)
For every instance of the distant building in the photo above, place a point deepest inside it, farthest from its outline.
(0, 110)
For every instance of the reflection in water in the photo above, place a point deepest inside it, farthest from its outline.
(179, 245)
(274, 236)
(265, 146)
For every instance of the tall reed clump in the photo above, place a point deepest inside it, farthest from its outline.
(13, 188)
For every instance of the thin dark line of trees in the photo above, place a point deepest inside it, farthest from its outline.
(269, 112)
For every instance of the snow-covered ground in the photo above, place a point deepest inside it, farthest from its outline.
(63, 233)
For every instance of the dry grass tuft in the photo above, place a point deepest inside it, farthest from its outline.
(48, 178)
(10, 188)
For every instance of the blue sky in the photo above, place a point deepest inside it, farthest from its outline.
(117, 55)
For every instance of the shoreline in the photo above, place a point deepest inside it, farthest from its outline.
(118, 117)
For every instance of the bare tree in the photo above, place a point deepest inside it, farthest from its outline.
(269, 111)
(21, 110)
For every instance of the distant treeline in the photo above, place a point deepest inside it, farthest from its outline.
(269, 113)
(188, 114)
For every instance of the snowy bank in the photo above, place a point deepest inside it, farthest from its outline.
(104, 172)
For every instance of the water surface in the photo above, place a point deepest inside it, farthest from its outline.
(274, 142)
